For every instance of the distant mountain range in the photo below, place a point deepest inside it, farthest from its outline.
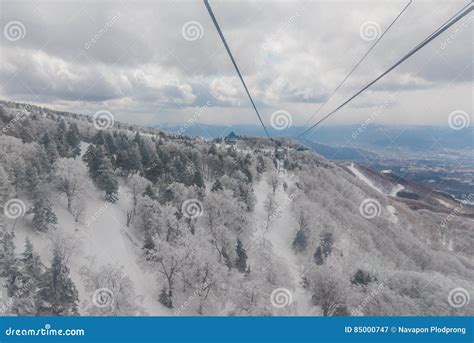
(372, 137)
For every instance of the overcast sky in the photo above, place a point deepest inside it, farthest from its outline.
(152, 62)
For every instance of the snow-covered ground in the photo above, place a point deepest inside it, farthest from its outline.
(101, 237)
(393, 192)
(363, 178)
(281, 233)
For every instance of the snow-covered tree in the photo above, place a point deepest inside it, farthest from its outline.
(44, 217)
(71, 178)
(241, 260)
(121, 298)
(169, 260)
(137, 185)
(57, 295)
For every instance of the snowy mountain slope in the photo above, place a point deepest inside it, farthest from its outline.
(408, 192)
(161, 225)
(105, 241)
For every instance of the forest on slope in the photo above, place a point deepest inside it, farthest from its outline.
(136, 221)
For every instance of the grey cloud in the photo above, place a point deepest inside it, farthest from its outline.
(292, 55)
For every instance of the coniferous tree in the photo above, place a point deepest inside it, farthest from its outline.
(154, 170)
(50, 147)
(110, 143)
(32, 179)
(318, 256)
(241, 260)
(43, 215)
(300, 242)
(73, 139)
(31, 262)
(93, 157)
(134, 159)
(57, 294)
(165, 298)
(197, 179)
(217, 186)
(61, 140)
(361, 278)
(9, 264)
(5, 186)
(99, 138)
(108, 181)
(148, 245)
(31, 272)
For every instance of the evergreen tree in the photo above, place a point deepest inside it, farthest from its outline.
(57, 294)
(93, 157)
(198, 180)
(50, 147)
(165, 298)
(217, 186)
(110, 143)
(324, 249)
(43, 215)
(32, 179)
(20, 182)
(31, 272)
(134, 159)
(99, 138)
(31, 262)
(148, 245)
(61, 140)
(154, 171)
(300, 242)
(318, 256)
(6, 188)
(9, 264)
(146, 155)
(150, 192)
(73, 139)
(361, 278)
(108, 181)
(241, 260)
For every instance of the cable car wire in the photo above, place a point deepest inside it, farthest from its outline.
(458, 16)
(214, 20)
(357, 64)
